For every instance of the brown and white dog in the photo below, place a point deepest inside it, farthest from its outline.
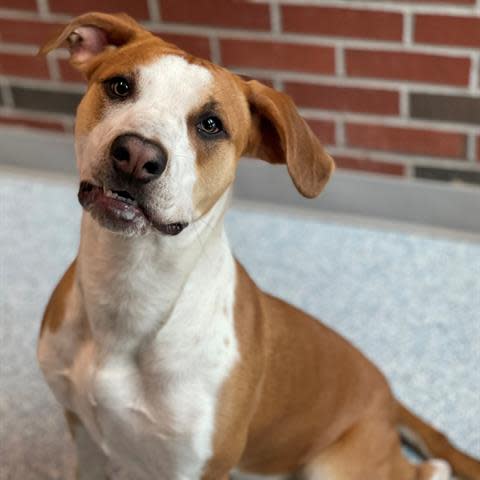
(166, 357)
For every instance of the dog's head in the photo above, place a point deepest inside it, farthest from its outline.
(159, 132)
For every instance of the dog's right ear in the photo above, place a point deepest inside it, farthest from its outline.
(92, 34)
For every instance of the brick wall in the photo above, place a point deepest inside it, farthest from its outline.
(392, 87)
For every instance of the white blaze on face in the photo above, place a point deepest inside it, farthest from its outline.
(166, 92)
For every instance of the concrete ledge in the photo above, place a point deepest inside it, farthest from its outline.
(37, 150)
(425, 202)
(450, 206)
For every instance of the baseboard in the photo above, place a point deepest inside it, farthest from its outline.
(422, 202)
(37, 150)
(450, 206)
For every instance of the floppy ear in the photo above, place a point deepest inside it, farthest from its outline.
(280, 135)
(91, 34)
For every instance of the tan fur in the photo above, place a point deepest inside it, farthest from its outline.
(54, 313)
(301, 399)
(290, 386)
(72, 421)
(280, 135)
(217, 163)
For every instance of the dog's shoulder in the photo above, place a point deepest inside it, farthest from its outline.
(62, 333)
(55, 311)
(64, 324)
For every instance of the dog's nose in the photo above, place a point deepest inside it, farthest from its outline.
(138, 157)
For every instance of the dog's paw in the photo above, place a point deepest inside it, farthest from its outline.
(440, 469)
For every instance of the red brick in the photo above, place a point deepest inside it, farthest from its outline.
(453, 2)
(137, 9)
(324, 129)
(345, 99)
(219, 13)
(406, 140)
(31, 123)
(199, 46)
(278, 56)
(68, 73)
(27, 31)
(448, 30)
(343, 22)
(23, 65)
(367, 165)
(417, 67)
(19, 4)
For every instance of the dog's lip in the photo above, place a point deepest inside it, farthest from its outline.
(122, 205)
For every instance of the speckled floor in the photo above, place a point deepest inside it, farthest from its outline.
(410, 302)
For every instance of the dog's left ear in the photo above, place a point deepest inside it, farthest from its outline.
(91, 34)
(280, 135)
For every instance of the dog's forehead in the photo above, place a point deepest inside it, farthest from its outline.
(175, 82)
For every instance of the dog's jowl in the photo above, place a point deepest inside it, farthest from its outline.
(165, 356)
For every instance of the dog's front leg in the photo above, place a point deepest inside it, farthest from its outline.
(91, 461)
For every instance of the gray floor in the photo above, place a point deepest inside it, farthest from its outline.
(410, 301)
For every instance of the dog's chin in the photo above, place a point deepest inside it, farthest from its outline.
(120, 225)
(119, 212)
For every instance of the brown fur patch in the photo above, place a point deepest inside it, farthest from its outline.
(281, 135)
(217, 159)
(72, 421)
(55, 311)
(289, 396)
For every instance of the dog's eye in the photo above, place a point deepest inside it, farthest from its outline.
(210, 126)
(118, 87)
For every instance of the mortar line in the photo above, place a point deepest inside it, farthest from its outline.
(215, 51)
(43, 8)
(154, 10)
(408, 27)
(474, 75)
(53, 68)
(404, 100)
(339, 61)
(7, 94)
(471, 148)
(278, 84)
(388, 6)
(275, 18)
(340, 135)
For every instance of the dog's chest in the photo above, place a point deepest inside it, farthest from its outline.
(150, 404)
(160, 418)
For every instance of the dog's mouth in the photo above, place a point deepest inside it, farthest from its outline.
(120, 195)
(119, 210)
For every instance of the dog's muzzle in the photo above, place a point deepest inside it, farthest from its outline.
(118, 210)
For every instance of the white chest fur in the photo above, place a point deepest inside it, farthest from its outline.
(146, 379)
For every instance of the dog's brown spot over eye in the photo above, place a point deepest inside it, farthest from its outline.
(217, 154)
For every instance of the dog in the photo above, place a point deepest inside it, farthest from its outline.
(165, 356)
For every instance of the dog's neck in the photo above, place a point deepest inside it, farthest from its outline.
(133, 287)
